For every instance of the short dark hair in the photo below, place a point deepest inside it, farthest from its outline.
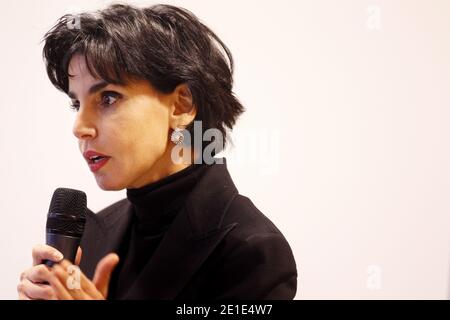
(163, 44)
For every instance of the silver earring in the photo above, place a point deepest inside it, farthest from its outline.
(177, 136)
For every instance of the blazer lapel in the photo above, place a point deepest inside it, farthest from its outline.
(105, 235)
(173, 264)
(190, 239)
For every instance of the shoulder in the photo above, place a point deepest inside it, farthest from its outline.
(259, 261)
(252, 228)
(250, 219)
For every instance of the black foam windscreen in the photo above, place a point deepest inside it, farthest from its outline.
(67, 212)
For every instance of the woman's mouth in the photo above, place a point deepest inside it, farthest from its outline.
(95, 160)
(96, 163)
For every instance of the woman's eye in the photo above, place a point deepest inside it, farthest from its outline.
(109, 98)
(74, 106)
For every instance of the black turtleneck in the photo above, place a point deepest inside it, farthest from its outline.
(154, 208)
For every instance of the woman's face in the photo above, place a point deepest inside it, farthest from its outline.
(129, 124)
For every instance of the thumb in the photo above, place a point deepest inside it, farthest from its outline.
(103, 273)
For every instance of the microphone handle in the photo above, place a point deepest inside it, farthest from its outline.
(67, 245)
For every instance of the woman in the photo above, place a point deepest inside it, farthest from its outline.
(139, 80)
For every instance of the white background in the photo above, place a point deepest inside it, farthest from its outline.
(344, 145)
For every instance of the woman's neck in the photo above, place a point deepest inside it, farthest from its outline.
(163, 167)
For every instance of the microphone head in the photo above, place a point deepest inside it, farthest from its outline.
(67, 212)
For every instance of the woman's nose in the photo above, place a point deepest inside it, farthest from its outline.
(84, 127)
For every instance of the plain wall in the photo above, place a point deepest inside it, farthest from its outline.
(344, 144)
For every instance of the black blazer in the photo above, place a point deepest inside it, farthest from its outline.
(220, 246)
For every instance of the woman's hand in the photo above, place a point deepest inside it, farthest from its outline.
(44, 283)
(69, 283)
(32, 283)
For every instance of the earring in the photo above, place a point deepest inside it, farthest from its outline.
(177, 136)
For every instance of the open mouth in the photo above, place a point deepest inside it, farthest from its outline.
(96, 159)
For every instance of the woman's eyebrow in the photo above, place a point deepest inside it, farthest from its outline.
(93, 89)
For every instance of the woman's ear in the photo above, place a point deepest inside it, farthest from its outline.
(183, 111)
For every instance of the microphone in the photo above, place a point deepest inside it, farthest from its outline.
(65, 222)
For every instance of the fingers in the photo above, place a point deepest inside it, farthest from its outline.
(42, 282)
(66, 281)
(45, 252)
(103, 273)
(78, 257)
(28, 290)
(57, 282)
(70, 281)
(23, 296)
(31, 286)
(87, 289)
(67, 288)
(39, 273)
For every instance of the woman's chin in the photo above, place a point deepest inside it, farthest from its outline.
(108, 184)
